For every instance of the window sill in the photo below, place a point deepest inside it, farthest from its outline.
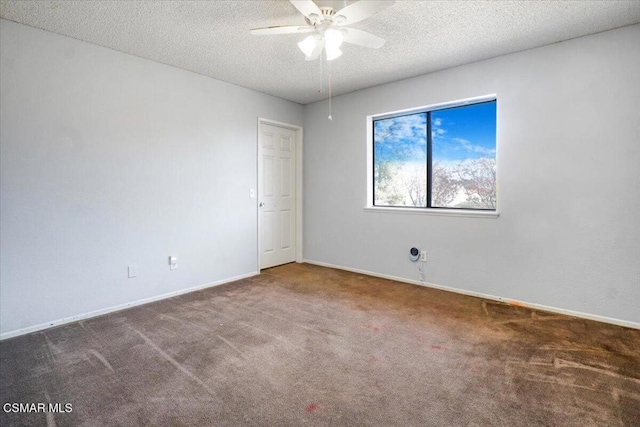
(437, 212)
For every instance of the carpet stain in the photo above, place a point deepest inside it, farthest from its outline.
(53, 348)
(174, 362)
(560, 363)
(484, 307)
(375, 328)
(312, 407)
(102, 359)
(51, 419)
(230, 344)
(534, 319)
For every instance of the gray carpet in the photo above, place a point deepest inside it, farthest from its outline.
(306, 345)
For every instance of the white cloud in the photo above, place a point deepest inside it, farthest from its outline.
(467, 145)
(436, 128)
(398, 128)
(484, 150)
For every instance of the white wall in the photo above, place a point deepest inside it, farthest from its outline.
(109, 160)
(568, 235)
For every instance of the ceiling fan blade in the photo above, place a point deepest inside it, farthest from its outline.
(358, 11)
(292, 29)
(362, 38)
(316, 52)
(307, 7)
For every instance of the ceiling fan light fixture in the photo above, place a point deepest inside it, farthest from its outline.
(333, 52)
(332, 41)
(308, 45)
(333, 37)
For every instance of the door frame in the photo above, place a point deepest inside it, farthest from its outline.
(298, 182)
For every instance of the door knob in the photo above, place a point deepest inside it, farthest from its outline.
(261, 204)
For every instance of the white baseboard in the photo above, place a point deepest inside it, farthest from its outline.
(604, 319)
(108, 310)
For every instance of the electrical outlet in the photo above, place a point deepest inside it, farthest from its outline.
(423, 256)
(173, 263)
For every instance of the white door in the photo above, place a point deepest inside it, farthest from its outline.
(276, 195)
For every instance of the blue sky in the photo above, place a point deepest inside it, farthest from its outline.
(459, 133)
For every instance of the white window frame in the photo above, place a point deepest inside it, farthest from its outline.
(370, 207)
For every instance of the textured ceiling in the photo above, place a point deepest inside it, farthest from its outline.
(212, 37)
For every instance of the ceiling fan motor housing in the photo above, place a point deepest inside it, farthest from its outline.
(327, 14)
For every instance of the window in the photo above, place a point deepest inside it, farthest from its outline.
(444, 157)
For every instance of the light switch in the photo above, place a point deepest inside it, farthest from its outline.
(133, 271)
(252, 192)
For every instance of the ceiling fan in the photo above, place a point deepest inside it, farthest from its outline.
(328, 27)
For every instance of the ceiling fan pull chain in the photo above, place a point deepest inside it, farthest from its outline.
(321, 77)
(330, 118)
